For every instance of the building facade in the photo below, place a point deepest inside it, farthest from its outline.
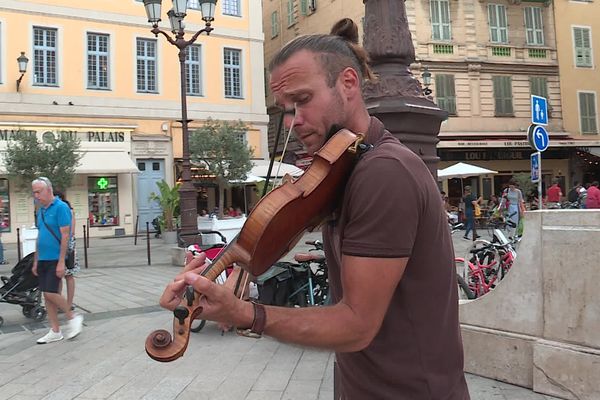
(486, 59)
(97, 72)
(577, 30)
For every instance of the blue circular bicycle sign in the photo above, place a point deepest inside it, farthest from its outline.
(538, 137)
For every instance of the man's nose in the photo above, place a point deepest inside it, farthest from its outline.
(288, 119)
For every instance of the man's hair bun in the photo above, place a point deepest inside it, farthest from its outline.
(346, 29)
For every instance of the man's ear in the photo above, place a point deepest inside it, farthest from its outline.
(350, 82)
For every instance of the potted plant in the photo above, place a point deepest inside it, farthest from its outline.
(168, 199)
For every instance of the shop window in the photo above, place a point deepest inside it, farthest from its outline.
(4, 206)
(103, 196)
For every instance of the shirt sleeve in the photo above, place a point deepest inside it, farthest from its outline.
(63, 216)
(383, 211)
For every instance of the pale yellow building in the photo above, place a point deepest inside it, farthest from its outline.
(577, 39)
(95, 70)
(486, 59)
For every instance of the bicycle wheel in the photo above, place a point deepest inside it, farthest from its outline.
(197, 325)
(464, 292)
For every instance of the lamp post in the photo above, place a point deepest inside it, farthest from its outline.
(22, 60)
(426, 75)
(187, 192)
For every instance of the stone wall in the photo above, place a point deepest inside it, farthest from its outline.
(540, 327)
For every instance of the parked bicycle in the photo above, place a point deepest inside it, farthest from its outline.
(297, 284)
(488, 263)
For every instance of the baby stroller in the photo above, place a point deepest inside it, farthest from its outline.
(22, 288)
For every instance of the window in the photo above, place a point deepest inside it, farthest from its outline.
(497, 21)
(4, 206)
(193, 4)
(304, 7)
(440, 20)
(538, 86)
(583, 46)
(231, 7)
(587, 113)
(274, 24)
(146, 65)
(503, 95)
(103, 204)
(44, 56)
(534, 29)
(444, 93)
(193, 70)
(97, 61)
(290, 13)
(232, 69)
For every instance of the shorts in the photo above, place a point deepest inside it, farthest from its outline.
(48, 281)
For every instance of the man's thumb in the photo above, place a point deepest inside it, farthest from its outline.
(200, 283)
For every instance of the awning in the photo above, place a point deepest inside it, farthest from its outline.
(261, 167)
(470, 143)
(105, 162)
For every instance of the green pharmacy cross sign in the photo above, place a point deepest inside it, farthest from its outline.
(102, 183)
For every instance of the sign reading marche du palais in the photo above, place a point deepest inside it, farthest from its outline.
(50, 133)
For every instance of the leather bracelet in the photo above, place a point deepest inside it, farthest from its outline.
(258, 323)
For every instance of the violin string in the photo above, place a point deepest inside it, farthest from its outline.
(287, 140)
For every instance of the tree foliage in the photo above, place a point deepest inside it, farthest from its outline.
(219, 148)
(27, 158)
(523, 179)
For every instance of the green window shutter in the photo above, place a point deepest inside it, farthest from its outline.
(497, 23)
(587, 113)
(538, 86)
(503, 95)
(445, 94)
(440, 19)
(290, 13)
(304, 7)
(534, 26)
(274, 24)
(583, 51)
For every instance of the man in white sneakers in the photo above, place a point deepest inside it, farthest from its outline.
(54, 224)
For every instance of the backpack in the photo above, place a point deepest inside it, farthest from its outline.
(573, 195)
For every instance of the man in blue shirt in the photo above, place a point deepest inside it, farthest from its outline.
(54, 225)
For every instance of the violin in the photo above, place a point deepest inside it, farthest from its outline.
(272, 229)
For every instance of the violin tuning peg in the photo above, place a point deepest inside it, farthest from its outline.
(181, 313)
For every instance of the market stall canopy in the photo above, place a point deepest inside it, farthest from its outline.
(261, 167)
(103, 162)
(463, 170)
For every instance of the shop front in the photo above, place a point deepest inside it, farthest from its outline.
(101, 190)
(509, 158)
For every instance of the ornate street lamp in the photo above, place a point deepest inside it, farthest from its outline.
(187, 191)
(22, 60)
(426, 75)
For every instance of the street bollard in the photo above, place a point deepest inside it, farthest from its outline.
(148, 241)
(137, 221)
(87, 228)
(85, 240)
(18, 244)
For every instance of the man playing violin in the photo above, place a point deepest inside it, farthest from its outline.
(393, 322)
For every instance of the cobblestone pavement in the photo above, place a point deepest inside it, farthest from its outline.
(118, 296)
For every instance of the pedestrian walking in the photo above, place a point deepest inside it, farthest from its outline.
(54, 224)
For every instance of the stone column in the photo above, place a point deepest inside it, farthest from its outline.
(397, 98)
